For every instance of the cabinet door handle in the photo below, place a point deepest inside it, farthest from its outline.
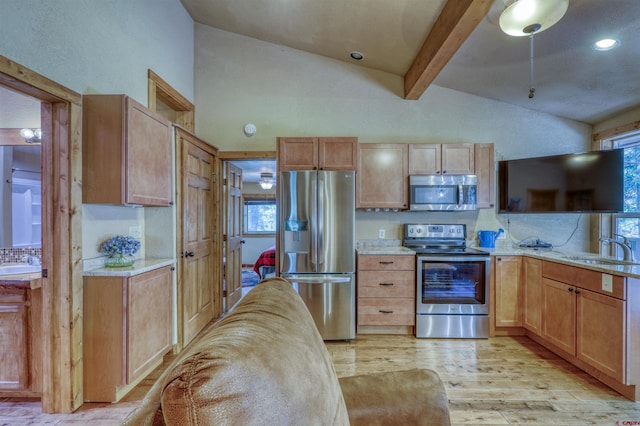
(386, 262)
(577, 291)
(385, 312)
(386, 284)
(570, 289)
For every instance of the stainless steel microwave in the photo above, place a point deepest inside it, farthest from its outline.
(443, 192)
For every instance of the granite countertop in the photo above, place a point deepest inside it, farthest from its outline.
(568, 258)
(96, 268)
(386, 250)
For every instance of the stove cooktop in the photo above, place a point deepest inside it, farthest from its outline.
(439, 240)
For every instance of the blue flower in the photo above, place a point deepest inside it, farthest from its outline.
(120, 244)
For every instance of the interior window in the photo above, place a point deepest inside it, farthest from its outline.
(259, 214)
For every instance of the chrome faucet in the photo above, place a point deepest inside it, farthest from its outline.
(625, 244)
(32, 259)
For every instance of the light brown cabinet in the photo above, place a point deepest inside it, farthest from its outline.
(532, 294)
(559, 310)
(313, 153)
(485, 170)
(382, 178)
(20, 342)
(386, 293)
(126, 331)
(584, 320)
(436, 159)
(126, 152)
(508, 291)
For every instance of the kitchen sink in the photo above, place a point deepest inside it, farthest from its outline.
(601, 261)
(19, 268)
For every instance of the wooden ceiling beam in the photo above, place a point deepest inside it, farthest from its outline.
(456, 22)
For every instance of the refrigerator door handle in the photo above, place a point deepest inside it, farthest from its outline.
(314, 222)
(320, 223)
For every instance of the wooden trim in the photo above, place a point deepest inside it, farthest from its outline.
(456, 22)
(169, 95)
(245, 155)
(28, 82)
(11, 137)
(160, 89)
(606, 134)
(61, 231)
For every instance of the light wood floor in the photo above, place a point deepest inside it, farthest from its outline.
(494, 381)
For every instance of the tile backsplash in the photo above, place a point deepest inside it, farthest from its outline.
(15, 255)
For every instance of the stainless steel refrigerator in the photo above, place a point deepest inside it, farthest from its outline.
(317, 246)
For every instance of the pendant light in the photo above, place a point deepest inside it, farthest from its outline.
(266, 180)
(527, 17)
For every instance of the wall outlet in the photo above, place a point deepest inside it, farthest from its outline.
(381, 234)
(135, 232)
(607, 283)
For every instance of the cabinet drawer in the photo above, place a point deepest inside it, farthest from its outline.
(386, 312)
(386, 284)
(386, 263)
(584, 278)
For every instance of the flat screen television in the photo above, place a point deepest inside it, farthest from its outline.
(589, 182)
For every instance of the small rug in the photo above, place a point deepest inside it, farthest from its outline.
(249, 278)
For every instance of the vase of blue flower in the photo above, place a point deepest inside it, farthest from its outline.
(119, 251)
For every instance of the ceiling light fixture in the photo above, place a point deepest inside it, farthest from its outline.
(266, 180)
(358, 56)
(526, 17)
(31, 135)
(606, 44)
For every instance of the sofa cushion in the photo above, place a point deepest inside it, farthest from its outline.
(264, 363)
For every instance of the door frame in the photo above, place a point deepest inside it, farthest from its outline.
(62, 294)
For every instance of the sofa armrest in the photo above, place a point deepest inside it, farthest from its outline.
(415, 397)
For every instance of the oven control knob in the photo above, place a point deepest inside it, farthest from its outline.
(418, 230)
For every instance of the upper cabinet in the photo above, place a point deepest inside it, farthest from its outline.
(382, 179)
(126, 152)
(311, 153)
(435, 159)
(485, 170)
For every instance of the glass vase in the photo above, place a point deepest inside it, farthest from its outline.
(119, 260)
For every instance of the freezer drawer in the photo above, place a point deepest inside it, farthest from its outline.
(331, 301)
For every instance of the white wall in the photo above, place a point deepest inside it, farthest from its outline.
(103, 46)
(286, 92)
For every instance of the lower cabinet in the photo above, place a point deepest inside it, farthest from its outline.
(127, 331)
(586, 315)
(386, 293)
(532, 294)
(559, 311)
(507, 305)
(20, 343)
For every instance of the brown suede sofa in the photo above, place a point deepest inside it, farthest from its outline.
(265, 363)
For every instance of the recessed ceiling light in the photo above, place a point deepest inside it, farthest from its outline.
(358, 56)
(606, 44)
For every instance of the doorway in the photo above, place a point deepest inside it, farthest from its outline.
(256, 221)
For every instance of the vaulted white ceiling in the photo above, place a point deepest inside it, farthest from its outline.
(572, 80)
